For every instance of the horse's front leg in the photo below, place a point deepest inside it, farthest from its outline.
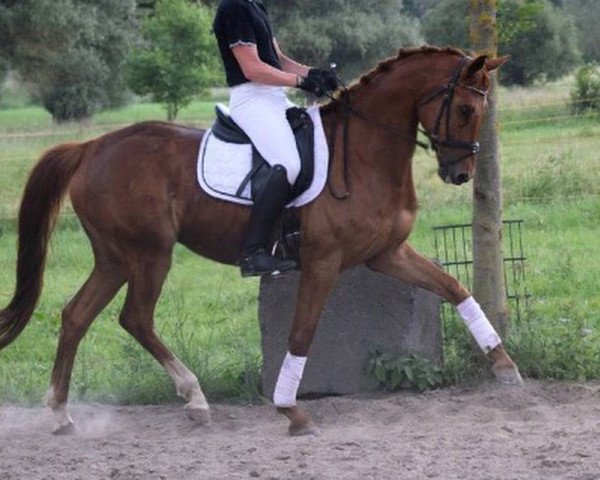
(316, 281)
(406, 264)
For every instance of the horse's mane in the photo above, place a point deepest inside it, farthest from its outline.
(386, 65)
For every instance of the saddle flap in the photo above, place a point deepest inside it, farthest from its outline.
(303, 128)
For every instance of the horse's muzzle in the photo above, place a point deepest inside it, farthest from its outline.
(450, 175)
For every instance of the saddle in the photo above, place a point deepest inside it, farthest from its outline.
(226, 130)
(231, 169)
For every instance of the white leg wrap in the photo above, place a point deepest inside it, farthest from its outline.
(288, 381)
(480, 327)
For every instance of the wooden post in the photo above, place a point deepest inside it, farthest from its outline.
(488, 277)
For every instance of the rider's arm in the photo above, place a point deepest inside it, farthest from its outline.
(256, 70)
(289, 65)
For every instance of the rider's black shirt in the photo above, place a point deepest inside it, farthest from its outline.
(241, 22)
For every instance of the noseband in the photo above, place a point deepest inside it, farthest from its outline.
(445, 108)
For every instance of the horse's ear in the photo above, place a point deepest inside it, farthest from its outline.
(477, 65)
(483, 61)
(492, 64)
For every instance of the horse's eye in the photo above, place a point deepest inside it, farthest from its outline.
(466, 112)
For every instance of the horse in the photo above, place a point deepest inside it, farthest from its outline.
(134, 191)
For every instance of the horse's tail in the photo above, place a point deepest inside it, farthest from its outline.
(45, 189)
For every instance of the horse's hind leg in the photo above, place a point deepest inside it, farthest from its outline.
(406, 264)
(100, 288)
(146, 277)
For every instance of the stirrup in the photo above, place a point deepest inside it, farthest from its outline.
(260, 263)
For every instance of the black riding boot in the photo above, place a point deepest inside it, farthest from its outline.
(268, 204)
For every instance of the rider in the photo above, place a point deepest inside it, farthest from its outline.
(257, 73)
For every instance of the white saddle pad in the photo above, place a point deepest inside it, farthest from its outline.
(223, 166)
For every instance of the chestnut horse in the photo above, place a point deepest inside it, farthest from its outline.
(136, 195)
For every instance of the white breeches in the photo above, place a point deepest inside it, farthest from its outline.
(259, 110)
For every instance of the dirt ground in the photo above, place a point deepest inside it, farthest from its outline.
(539, 431)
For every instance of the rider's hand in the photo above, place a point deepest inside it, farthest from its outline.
(313, 83)
(329, 76)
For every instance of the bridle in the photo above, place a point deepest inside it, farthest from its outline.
(445, 110)
(433, 136)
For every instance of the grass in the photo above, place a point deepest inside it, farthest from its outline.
(207, 314)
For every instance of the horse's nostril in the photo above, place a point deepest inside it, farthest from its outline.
(462, 178)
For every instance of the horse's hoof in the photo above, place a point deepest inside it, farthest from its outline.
(66, 429)
(508, 376)
(303, 429)
(300, 423)
(199, 415)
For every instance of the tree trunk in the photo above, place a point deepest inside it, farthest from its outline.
(488, 273)
(172, 111)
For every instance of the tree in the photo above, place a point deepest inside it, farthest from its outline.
(587, 19)
(488, 267)
(354, 35)
(418, 8)
(70, 52)
(179, 58)
(540, 38)
(448, 24)
(552, 32)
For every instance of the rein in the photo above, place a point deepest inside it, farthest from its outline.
(349, 110)
(434, 141)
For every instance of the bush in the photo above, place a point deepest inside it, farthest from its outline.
(76, 91)
(405, 372)
(586, 93)
(70, 52)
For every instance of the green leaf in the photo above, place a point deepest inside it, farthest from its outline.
(380, 373)
(408, 371)
(394, 380)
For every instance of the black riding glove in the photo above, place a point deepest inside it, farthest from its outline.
(313, 83)
(329, 76)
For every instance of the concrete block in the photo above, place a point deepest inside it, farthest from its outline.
(365, 311)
